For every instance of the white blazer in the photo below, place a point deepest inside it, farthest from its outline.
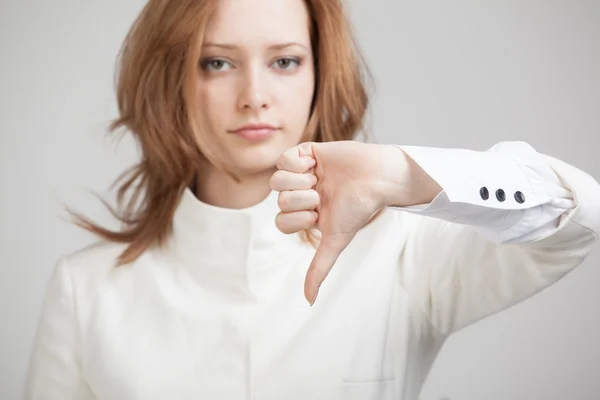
(219, 313)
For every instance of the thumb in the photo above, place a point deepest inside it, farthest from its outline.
(325, 257)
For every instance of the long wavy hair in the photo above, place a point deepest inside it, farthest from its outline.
(155, 81)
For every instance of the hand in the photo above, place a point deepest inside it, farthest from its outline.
(336, 187)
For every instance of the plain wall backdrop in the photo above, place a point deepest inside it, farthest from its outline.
(451, 74)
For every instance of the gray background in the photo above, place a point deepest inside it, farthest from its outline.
(452, 74)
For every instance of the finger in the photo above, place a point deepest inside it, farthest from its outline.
(325, 257)
(298, 200)
(285, 180)
(298, 159)
(296, 221)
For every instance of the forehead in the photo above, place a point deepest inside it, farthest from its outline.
(252, 21)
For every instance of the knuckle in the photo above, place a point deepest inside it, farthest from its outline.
(309, 219)
(277, 180)
(315, 196)
(285, 160)
(280, 222)
(281, 161)
(314, 217)
(306, 181)
(273, 181)
(284, 201)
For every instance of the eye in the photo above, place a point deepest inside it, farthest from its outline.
(287, 63)
(216, 65)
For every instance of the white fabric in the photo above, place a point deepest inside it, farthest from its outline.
(219, 313)
(508, 166)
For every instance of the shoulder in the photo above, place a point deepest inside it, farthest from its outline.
(96, 264)
(91, 277)
(97, 252)
(100, 255)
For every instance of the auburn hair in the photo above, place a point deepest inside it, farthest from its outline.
(155, 81)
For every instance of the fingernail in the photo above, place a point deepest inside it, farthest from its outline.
(314, 297)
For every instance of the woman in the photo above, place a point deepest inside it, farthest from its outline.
(245, 112)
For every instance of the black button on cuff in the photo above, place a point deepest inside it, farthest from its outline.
(500, 195)
(484, 193)
(520, 197)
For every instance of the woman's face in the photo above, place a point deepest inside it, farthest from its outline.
(256, 81)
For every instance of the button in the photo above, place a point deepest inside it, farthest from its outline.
(500, 195)
(520, 197)
(484, 193)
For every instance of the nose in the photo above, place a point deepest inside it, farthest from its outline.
(252, 95)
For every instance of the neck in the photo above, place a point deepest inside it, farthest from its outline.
(216, 188)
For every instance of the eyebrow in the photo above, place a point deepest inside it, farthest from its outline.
(278, 46)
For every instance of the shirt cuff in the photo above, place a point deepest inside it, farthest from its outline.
(509, 193)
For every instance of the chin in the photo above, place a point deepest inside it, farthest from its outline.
(256, 160)
(249, 157)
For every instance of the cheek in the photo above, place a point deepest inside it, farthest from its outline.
(302, 96)
(213, 103)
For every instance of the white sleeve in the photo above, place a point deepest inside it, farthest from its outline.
(509, 193)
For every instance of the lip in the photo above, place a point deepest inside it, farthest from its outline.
(255, 131)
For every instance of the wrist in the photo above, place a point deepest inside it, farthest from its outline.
(405, 183)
